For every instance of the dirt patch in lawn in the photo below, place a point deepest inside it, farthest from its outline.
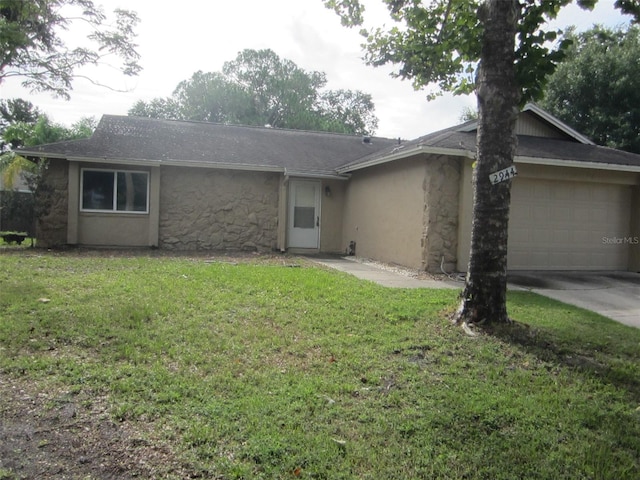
(47, 433)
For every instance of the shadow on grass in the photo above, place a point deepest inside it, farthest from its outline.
(576, 339)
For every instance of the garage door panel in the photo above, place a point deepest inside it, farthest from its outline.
(559, 214)
(561, 225)
(561, 236)
(582, 214)
(519, 236)
(539, 213)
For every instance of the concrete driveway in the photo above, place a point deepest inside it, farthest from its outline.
(613, 294)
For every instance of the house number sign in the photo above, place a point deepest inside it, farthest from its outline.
(503, 175)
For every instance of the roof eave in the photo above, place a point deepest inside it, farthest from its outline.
(75, 158)
(454, 152)
(315, 174)
(192, 164)
(221, 166)
(556, 162)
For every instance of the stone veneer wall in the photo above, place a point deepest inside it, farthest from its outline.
(202, 209)
(51, 229)
(440, 237)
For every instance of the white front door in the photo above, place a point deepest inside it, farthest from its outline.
(304, 214)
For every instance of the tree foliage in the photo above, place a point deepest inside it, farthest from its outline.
(32, 47)
(27, 134)
(260, 88)
(597, 89)
(437, 42)
(12, 111)
(503, 51)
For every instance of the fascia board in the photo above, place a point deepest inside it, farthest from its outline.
(310, 174)
(576, 164)
(221, 166)
(71, 158)
(454, 152)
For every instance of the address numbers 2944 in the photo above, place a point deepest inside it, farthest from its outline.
(503, 175)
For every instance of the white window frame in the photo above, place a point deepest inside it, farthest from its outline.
(114, 209)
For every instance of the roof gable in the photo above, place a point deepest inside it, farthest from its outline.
(556, 144)
(534, 121)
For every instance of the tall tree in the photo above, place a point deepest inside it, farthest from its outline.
(597, 88)
(347, 111)
(212, 97)
(32, 48)
(260, 88)
(501, 50)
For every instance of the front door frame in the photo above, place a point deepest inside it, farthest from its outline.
(297, 238)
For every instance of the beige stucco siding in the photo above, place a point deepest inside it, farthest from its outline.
(113, 230)
(202, 209)
(331, 216)
(384, 209)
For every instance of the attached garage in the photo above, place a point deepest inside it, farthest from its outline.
(564, 219)
(565, 225)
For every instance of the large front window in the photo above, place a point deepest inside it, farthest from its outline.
(115, 191)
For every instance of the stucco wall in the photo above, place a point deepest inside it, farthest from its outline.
(203, 209)
(384, 209)
(405, 212)
(331, 219)
(51, 229)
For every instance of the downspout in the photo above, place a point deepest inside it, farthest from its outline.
(281, 221)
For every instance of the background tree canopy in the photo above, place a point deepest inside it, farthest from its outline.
(260, 88)
(29, 127)
(31, 46)
(597, 88)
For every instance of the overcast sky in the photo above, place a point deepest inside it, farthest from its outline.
(191, 35)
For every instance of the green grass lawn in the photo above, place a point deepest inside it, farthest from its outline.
(258, 369)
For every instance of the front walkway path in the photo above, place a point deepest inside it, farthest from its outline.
(382, 276)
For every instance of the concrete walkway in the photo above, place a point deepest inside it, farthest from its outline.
(615, 295)
(381, 276)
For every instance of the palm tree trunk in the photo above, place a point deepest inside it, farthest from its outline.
(485, 292)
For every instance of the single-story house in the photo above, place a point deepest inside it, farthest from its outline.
(194, 186)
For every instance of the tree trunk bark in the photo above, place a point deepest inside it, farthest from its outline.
(485, 294)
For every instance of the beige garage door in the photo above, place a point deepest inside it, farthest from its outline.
(560, 225)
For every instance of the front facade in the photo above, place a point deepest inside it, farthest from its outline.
(216, 187)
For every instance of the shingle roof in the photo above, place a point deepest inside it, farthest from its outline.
(195, 143)
(135, 139)
(453, 141)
